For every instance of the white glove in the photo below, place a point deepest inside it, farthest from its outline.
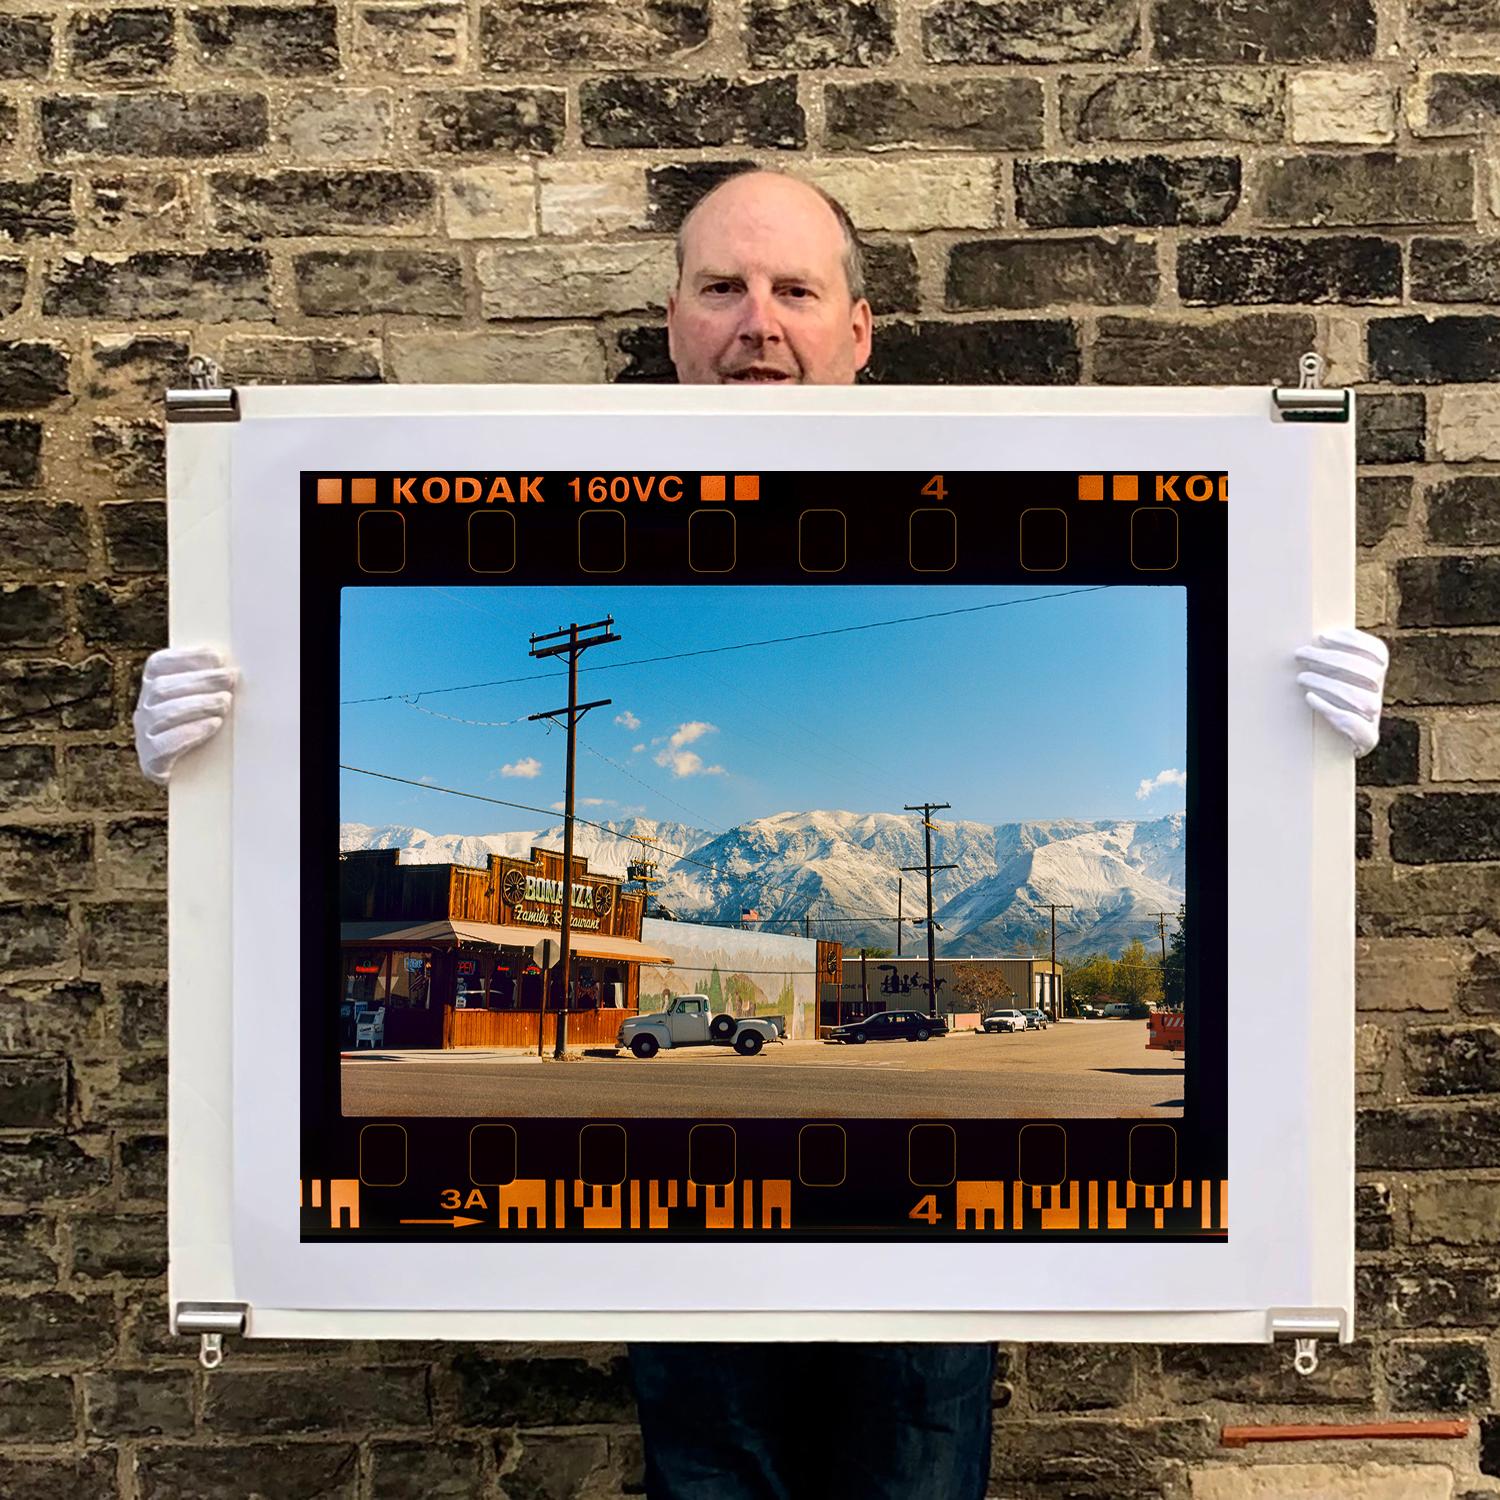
(185, 695)
(1347, 684)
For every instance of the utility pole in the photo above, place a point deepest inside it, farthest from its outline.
(927, 809)
(899, 884)
(1161, 929)
(1054, 907)
(574, 647)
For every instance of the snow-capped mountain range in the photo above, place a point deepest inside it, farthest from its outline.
(845, 865)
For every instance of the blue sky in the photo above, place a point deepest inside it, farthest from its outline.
(1046, 707)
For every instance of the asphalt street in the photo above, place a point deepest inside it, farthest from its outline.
(1080, 1069)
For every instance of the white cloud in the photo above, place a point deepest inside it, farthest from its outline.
(628, 719)
(683, 762)
(636, 749)
(1161, 779)
(685, 734)
(595, 801)
(529, 768)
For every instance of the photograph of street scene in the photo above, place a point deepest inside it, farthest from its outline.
(837, 852)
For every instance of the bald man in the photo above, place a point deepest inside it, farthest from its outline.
(770, 289)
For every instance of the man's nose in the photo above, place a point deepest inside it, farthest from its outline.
(758, 320)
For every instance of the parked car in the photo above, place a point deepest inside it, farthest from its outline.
(1004, 1020)
(1118, 1010)
(687, 1022)
(1036, 1020)
(1087, 1012)
(890, 1026)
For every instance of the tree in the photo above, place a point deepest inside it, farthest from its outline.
(875, 952)
(1137, 978)
(1085, 978)
(1174, 976)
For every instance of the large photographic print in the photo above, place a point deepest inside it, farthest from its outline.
(792, 855)
(758, 791)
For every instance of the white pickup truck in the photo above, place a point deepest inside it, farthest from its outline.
(688, 1022)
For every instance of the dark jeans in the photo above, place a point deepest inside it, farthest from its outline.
(815, 1421)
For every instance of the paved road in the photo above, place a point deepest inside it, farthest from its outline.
(1076, 1070)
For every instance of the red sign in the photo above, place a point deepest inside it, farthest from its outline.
(367, 968)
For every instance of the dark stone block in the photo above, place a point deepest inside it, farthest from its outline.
(1450, 1060)
(267, 41)
(143, 1014)
(1449, 590)
(124, 935)
(143, 1168)
(116, 46)
(541, 1392)
(456, 122)
(25, 46)
(678, 113)
(820, 33)
(131, 614)
(1264, 31)
(147, 203)
(1024, 273)
(1394, 761)
(135, 536)
(1489, 1446)
(1445, 827)
(289, 1471)
(982, 114)
(974, 32)
(108, 777)
(31, 614)
(1232, 268)
(1032, 351)
(1364, 828)
(1437, 1375)
(1435, 351)
(1479, 989)
(1465, 511)
(1194, 1373)
(36, 1411)
(672, 191)
(51, 1328)
(12, 285)
(131, 452)
(39, 692)
(136, 368)
(273, 360)
(20, 456)
(1462, 103)
(1251, 349)
(1080, 1377)
(890, 276)
(1444, 669)
(36, 208)
(38, 1168)
(64, 1478)
(1391, 427)
(28, 777)
(1097, 1459)
(1420, 1296)
(1328, 189)
(119, 1245)
(134, 854)
(33, 1093)
(1383, 502)
(52, 1017)
(1197, 104)
(427, 1470)
(137, 1403)
(646, 356)
(267, 1402)
(1454, 270)
(1140, 192)
(28, 1248)
(32, 374)
(331, 283)
(321, 202)
(521, 36)
(216, 122)
(45, 859)
(1424, 1137)
(214, 286)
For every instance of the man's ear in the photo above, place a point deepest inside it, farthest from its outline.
(671, 318)
(863, 328)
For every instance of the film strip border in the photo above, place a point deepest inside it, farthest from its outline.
(1188, 1207)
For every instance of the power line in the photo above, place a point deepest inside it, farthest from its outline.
(779, 640)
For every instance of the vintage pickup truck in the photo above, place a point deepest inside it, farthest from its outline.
(687, 1022)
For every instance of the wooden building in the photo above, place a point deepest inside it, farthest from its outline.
(446, 950)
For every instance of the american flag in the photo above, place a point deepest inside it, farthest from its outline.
(748, 915)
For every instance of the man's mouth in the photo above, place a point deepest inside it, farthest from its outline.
(757, 373)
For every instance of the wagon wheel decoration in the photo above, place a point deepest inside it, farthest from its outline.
(604, 898)
(514, 887)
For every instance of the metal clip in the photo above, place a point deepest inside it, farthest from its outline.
(204, 399)
(1305, 1357)
(1310, 400)
(211, 1321)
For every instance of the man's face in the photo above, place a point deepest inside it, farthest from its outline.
(763, 297)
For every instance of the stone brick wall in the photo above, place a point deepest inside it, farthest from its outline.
(1137, 191)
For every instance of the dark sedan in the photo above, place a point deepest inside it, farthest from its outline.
(890, 1026)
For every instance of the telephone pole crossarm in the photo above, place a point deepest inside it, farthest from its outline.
(927, 867)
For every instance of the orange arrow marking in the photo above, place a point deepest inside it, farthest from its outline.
(457, 1221)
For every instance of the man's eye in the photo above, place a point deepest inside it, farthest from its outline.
(719, 286)
(799, 291)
